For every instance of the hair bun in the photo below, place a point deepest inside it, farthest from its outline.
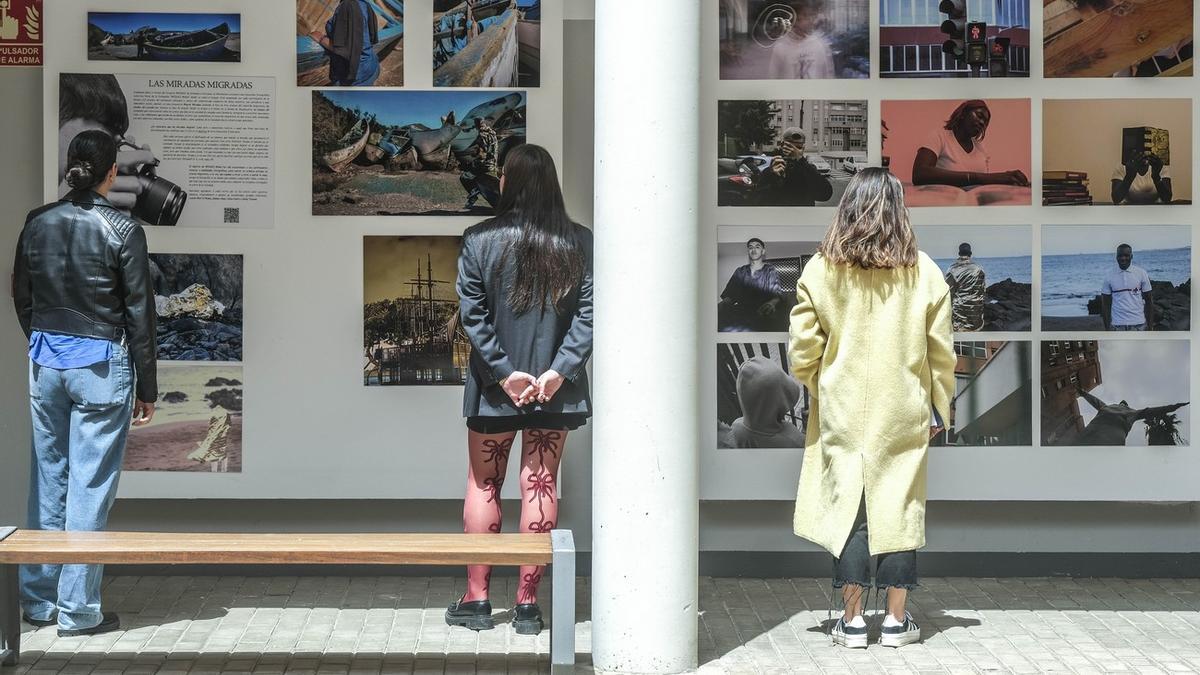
(81, 175)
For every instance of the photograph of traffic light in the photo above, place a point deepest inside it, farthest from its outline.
(959, 153)
(953, 38)
(1109, 39)
(1117, 151)
(788, 152)
(795, 39)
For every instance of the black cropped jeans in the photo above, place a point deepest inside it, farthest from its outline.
(897, 569)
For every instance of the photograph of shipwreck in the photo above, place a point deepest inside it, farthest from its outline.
(162, 36)
(312, 60)
(403, 153)
(487, 43)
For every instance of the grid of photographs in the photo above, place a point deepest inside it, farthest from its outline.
(1037, 293)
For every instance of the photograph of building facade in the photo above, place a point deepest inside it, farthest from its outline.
(991, 404)
(911, 37)
(1068, 367)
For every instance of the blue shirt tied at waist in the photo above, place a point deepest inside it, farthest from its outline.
(52, 350)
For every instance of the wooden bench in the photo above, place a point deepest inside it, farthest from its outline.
(557, 549)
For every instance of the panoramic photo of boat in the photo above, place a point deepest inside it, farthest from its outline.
(163, 36)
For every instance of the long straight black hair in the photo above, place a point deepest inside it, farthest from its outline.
(548, 255)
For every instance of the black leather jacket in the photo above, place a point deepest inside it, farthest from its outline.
(82, 269)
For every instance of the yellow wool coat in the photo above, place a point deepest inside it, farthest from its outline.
(875, 349)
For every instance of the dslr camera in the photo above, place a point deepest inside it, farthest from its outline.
(160, 201)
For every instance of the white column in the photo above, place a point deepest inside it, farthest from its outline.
(645, 479)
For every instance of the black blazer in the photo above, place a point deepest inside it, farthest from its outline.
(503, 342)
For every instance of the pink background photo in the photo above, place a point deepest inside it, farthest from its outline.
(1008, 140)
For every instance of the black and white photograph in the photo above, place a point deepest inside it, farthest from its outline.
(1116, 278)
(1116, 392)
(411, 331)
(759, 403)
(990, 273)
(993, 395)
(164, 36)
(194, 150)
(757, 271)
(795, 39)
(788, 152)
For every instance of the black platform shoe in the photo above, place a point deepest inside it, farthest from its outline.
(109, 621)
(476, 615)
(527, 619)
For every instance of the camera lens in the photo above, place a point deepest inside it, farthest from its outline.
(161, 201)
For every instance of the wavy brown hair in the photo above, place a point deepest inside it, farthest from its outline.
(871, 228)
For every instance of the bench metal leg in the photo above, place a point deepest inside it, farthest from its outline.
(562, 610)
(10, 616)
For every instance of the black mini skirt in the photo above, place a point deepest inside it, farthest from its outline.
(534, 420)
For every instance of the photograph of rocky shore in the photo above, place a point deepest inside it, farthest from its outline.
(198, 298)
(404, 153)
(990, 273)
(197, 422)
(1077, 261)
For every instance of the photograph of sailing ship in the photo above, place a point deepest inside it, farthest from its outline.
(197, 423)
(487, 43)
(411, 333)
(312, 60)
(403, 153)
(163, 36)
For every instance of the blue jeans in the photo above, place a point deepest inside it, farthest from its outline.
(1133, 327)
(81, 418)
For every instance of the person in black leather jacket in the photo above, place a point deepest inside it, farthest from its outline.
(83, 295)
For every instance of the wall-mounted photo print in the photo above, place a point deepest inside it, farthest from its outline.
(405, 153)
(795, 39)
(487, 43)
(759, 403)
(1117, 151)
(912, 44)
(788, 152)
(1116, 392)
(197, 423)
(163, 36)
(350, 44)
(757, 279)
(959, 153)
(198, 299)
(993, 396)
(193, 150)
(1117, 277)
(1105, 38)
(411, 333)
(990, 273)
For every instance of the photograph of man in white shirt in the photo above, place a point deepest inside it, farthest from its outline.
(1127, 299)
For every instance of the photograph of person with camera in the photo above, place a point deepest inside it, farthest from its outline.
(96, 101)
(788, 152)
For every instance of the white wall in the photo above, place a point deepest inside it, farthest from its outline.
(725, 526)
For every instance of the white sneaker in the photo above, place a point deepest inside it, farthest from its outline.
(900, 634)
(850, 635)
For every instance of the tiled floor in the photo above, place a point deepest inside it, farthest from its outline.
(324, 625)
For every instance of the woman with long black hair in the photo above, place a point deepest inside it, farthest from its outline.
(525, 289)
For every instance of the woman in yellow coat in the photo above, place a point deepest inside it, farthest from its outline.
(872, 342)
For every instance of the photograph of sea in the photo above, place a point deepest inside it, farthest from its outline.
(1076, 261)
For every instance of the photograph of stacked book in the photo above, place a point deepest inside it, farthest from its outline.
(1063, 188)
